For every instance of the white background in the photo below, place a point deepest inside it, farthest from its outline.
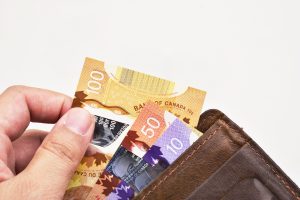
(245, 54)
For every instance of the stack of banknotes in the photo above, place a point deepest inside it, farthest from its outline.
(143, 124)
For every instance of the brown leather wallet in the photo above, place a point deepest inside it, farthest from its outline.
(225, 163)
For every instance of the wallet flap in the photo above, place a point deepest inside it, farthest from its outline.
(245, 175)
(224, 154)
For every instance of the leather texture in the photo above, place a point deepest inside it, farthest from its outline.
(225, 163)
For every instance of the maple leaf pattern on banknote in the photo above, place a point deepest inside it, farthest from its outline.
(108, 180)
(88, 170)
(101, 158)
(79, 97)
(131, 141)
(155, 155)
(104, 186)
(186, 120)
(122, 191)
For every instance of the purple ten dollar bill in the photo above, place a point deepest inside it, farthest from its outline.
(174, 141)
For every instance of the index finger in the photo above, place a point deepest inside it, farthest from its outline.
(20, 104)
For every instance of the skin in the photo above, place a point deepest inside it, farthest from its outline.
(36, 164)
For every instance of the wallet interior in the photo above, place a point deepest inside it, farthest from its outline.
(225, 163)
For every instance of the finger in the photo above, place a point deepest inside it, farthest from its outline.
(26, 146)
(7, 155)
(5, 172)
(20, 104)
(18, 154)
(61, 151)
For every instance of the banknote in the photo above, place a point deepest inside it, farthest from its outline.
(132, 169)
(123, 192)
(104, 186)
(125, 92)
(109, 132)
(86, 175)
(109, 186)
(147, 128)
(156, 115)
(144, 82)
(108, 135)
(173, 142)
(149, 148)
(116, 95)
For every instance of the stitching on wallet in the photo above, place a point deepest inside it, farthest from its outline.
(275, 173)
(182, 162)
(196, 149)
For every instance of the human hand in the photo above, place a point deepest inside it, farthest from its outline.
(36, 164)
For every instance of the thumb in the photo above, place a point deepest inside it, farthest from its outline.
(55, 161)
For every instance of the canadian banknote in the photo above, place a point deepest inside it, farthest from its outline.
(132, 169)
(150, 124)
(86, 175)
(120, 95)
(174, 141)
(122, 191)
(157, 155)
(147, 128)
(104, 186)
(116, 95)
(110, 187)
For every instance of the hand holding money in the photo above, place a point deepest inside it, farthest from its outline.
(35, 164)
(38, 165)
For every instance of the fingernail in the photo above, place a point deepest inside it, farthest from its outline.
(78, 120)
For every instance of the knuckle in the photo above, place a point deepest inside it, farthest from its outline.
(61, 151)
(16, 88)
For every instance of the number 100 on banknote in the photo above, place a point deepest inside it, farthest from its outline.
(116, 95)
